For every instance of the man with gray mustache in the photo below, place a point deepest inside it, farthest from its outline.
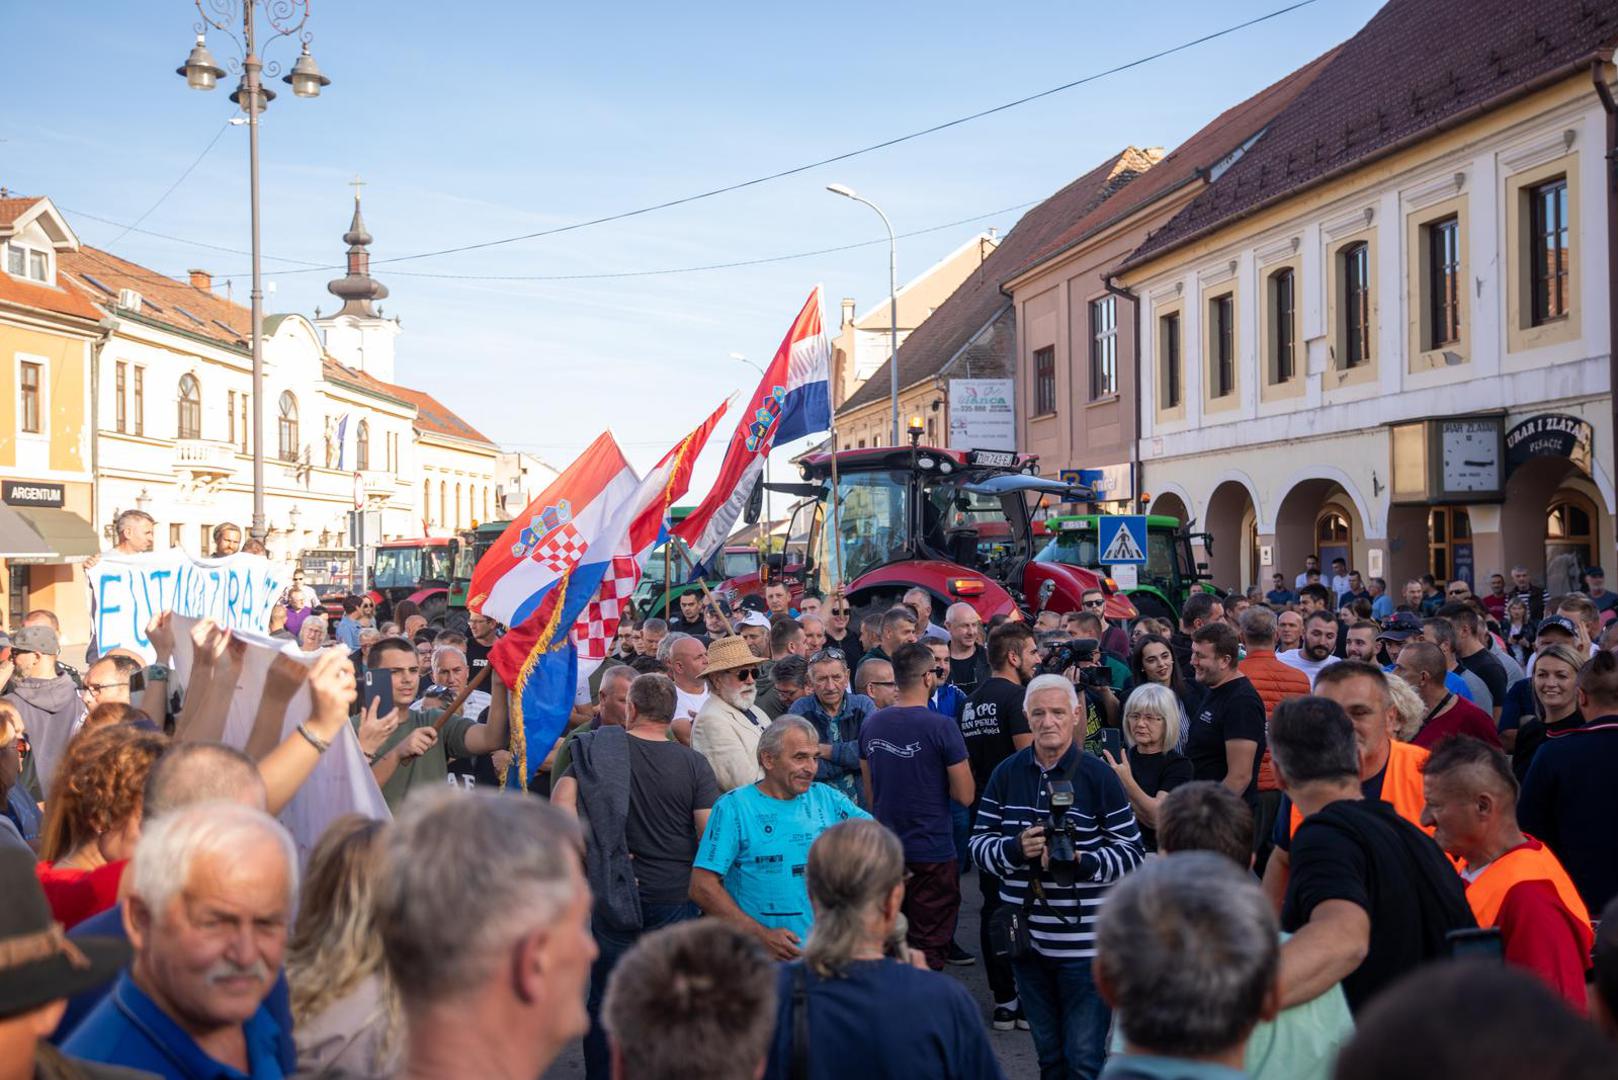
(207, 914)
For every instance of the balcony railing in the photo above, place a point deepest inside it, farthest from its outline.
(204, 458)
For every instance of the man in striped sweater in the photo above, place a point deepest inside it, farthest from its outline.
(1054, 985)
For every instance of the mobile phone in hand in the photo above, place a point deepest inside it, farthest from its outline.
(378, 687)
(1112, 741)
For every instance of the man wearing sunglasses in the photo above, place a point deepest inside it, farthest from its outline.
(727, 728)
(838, 613)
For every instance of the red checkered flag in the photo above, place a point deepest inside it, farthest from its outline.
(596, 628)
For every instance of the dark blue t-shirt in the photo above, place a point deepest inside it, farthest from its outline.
(909, 750)
(882, 1019)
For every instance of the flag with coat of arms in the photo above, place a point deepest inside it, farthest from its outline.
(561, 572)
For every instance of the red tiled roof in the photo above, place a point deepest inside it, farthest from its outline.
(431, 414)
(1417, 66)
(60, 298)
(1217, 139)
(176, 304)
(975, 302)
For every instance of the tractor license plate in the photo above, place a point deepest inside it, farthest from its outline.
(999, 459)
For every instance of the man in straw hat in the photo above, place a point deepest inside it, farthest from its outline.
(728, 726)
(39, 970)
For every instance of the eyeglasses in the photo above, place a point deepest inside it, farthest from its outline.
(840, 612)
(1095, 603)
(941, 672)
(828, 654)
(876, 682)
(746, 674)
(102, 688)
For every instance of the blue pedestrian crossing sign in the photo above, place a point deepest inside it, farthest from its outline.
(1122, 539)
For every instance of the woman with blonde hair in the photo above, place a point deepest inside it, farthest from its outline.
(344, 1005)
(1151, 767)
(1412, 710)
(93, 819)
(850, 1006)
(1556, 702)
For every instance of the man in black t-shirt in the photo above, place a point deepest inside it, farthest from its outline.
(671, 792)
(1472, 651)
(1370, 896)
(968, 658)
(484, 633)
(1227, 733)
(994, 728)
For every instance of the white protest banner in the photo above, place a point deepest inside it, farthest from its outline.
(341, 782)
(236, 592)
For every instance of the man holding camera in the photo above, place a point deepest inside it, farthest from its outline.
(1055, 827)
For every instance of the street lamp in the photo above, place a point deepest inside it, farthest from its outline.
(893, 299)
(286, 18)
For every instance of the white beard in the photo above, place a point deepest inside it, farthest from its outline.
(739, 697)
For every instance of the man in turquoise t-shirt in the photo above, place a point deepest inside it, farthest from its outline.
(749, 869)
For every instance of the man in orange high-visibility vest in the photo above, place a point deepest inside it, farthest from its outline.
(1513, 881)
(1389, 770)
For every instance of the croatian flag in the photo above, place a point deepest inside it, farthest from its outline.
(792, 400)
(600, 560)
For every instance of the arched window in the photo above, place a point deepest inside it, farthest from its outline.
(1570, 533)
(457, 506)
(190, 422)
(362, 446)
(1334, 539)
(288, 423)
(486, 514)
(427, 502)
(443, 503)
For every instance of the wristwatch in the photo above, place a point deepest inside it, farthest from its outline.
(157, 673)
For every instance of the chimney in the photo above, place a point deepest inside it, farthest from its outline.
(848, 311)
(201, 279)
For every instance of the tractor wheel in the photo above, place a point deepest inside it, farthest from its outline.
(1151, 606)
(434, 610)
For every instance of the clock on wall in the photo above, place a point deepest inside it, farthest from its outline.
(1470, 456)
(1454, 459)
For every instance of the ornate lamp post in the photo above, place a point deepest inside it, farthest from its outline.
(285, 18)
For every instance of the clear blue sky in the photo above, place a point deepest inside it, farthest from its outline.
(472, 122)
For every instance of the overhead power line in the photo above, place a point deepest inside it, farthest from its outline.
(170, 191)
(808, 166)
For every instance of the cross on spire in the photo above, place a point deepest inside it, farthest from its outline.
(356, 184)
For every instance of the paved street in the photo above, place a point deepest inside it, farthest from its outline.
(1015, 1049)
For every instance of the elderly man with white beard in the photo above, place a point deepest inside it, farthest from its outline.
(727, 728)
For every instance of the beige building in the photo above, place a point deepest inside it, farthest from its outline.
(1383, 332)
(861, 394)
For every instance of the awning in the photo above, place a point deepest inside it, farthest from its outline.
(64, 534)
(17, 539)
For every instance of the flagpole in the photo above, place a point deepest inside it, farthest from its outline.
(666, 583)
(836, 497)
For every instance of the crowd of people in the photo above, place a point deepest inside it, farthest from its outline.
(1297, 835)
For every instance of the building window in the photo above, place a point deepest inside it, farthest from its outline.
(140, 401)
(1354, 268)
(120, 406)
(362, 447)
(1548, 250)
(1103, 347)
(1169, 333)
(1443, 282)
(457, 506)
(289, 426)
(190, 419)
(176, 537)
(1045, 380)
(1283, 305)
(29, 383)
(427, 502)
(443, 503)
(1334, 538)
(27, 263)
(1449, 543)
(244, 422)
(1570, 530)
(1222, 325)
(230, 416)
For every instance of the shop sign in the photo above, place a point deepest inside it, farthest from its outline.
(981, 414)
(1549, 435)
(32, 493)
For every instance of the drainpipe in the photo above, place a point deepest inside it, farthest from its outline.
(108, 326)
(1604, 92)
(1134, 440)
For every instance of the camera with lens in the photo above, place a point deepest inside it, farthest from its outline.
(1060, 832)
(1077, 653)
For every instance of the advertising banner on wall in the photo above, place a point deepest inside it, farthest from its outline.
(981, 415)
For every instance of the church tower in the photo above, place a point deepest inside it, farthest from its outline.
(357, 335)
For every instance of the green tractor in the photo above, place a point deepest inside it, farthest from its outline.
(1170, 574)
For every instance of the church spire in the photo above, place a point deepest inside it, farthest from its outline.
(357, 289)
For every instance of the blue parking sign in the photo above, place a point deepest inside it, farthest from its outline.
(1122, 539)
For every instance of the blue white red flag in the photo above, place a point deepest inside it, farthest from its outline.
(791, 401)
(539, 659)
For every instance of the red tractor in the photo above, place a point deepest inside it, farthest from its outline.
(425, 570)
(958, 524)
